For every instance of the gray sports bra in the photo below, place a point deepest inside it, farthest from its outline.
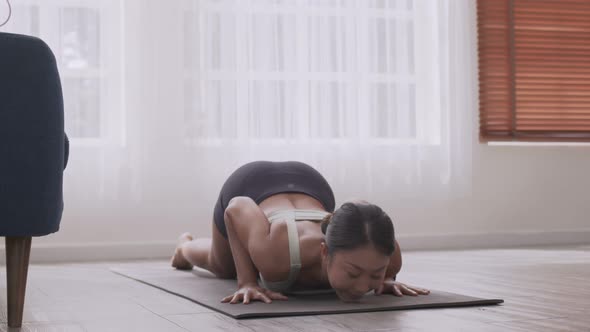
(291, 216)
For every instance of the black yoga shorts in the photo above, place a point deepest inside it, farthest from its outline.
(262, 179)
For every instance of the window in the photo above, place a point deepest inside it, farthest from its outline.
(285, 70)
(534, 60)
(77, 32)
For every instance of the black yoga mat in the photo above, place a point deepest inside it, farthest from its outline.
(204, 289)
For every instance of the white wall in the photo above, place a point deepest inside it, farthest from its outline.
(520, 196)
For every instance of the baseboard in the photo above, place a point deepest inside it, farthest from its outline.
(94, 252)
(496, 240)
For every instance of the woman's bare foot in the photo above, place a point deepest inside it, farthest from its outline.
(178, 261)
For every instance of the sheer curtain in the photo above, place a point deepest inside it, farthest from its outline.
(362, 90)
(164, 99)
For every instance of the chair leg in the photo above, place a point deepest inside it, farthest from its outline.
(18, 250)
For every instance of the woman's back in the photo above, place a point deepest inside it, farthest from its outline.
(310, 238)
(288, 201)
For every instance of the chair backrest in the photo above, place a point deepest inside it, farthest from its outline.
(32, 149)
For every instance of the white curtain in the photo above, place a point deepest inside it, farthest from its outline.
(361, 89)
(164, 99)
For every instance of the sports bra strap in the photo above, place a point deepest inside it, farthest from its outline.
(291, 216)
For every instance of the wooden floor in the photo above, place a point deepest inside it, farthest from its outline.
(545, 289)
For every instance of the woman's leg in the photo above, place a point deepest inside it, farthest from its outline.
(178, 261)
(213, 254)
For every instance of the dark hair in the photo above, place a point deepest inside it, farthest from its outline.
(355, 224)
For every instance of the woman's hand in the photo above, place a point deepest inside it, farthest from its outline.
(398, 289)
(251, 292)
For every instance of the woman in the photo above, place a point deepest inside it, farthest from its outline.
(276, 221)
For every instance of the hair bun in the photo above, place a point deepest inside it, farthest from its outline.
(326, 222)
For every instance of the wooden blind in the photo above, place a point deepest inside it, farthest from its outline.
(534, 70)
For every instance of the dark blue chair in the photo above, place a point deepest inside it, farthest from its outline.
(33, 155)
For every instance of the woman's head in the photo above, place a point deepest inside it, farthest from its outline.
(359, 241)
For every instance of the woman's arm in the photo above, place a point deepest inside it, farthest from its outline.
(397, 288)
(248, 230)
(395, 263)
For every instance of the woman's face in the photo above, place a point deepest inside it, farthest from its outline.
(353, 273)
